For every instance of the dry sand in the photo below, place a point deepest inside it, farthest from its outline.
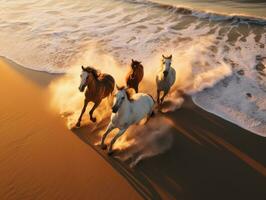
(40, 159)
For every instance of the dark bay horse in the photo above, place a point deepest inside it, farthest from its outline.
(135, 75)
(98, 86)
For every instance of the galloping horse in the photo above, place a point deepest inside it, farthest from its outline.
(98, 85)
(165, 78)
(127, 109)
(135, 75)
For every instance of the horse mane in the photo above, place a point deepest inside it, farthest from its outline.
(94, 72)
(129, 92)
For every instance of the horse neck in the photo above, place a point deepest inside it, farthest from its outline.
(92, 83)
(134, 71)
(138, 68)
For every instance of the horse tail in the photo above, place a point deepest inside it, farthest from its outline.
(110, 89)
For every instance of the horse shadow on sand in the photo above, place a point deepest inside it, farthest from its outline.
(89, 135)
(209, 158)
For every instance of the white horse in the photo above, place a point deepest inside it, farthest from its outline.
(127, 110)
(165, 78)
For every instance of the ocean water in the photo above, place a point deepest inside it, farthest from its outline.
(54, 36)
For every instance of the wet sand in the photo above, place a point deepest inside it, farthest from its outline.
(210, 158)
(40, 159)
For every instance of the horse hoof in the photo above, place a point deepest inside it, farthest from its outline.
(78, 124)
(93, 119)
(110, 152)
(103, 146)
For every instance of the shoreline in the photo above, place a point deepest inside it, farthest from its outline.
(57, 74)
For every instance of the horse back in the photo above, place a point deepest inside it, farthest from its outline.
(143, 103)
(100, 88)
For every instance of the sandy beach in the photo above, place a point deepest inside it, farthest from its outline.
(40, 158)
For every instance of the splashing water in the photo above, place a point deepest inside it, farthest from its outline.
(56, 36)
(139, 141)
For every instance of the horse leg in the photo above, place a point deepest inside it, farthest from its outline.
(136, 88)
(164, 94)
(158, 97)
(108, 130)
(149, 116)
(93, 119)
(82, 112)
(110, 151)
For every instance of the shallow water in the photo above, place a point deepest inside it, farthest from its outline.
(55, 36)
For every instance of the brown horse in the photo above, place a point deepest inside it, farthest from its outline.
(135, 75)
(98, 85)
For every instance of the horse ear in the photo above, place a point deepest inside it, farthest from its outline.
(132, 60)
(170, 56)
(163, 56)
(117, 87)
(82, 68)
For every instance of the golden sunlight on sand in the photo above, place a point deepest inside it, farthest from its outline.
(40, 158)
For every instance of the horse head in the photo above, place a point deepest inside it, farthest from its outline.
(135, 64)
(166, 62)
(120, 96)
(84, 79)
(85, 76)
